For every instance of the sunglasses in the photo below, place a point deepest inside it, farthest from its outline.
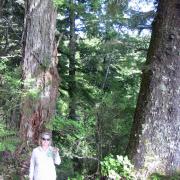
(45, 139)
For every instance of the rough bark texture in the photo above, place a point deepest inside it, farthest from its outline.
(155, 140)
(39, 68)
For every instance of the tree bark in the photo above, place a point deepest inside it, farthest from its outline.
(154, 144)
(40, 76)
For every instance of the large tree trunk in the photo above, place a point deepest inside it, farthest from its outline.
(72, 63)
(39, 68)
(155, 139)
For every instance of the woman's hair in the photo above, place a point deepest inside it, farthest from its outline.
(45, 134)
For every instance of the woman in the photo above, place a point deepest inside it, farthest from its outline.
(43, 159)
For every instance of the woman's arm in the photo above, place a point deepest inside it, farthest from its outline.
(32, 166)
(57, 159)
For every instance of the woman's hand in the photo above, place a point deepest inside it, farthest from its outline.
(55, 150)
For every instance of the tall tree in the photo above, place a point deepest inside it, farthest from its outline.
(72, 62)
(154, 142)
(39, 68)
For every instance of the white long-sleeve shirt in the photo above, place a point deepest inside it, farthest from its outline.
(42, 164)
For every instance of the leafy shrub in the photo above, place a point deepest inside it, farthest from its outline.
(72, 137)
(117, 168)
(8, 138)
(76, 143)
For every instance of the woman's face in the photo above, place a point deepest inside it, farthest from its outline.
(45, 141)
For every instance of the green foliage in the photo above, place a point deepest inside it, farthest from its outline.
(66, 169)
(10, 92)
(8, 138)
(58, 2)
(72, 137)
(78, 177)
(157, 176)
(114, 116)
(117, 168)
